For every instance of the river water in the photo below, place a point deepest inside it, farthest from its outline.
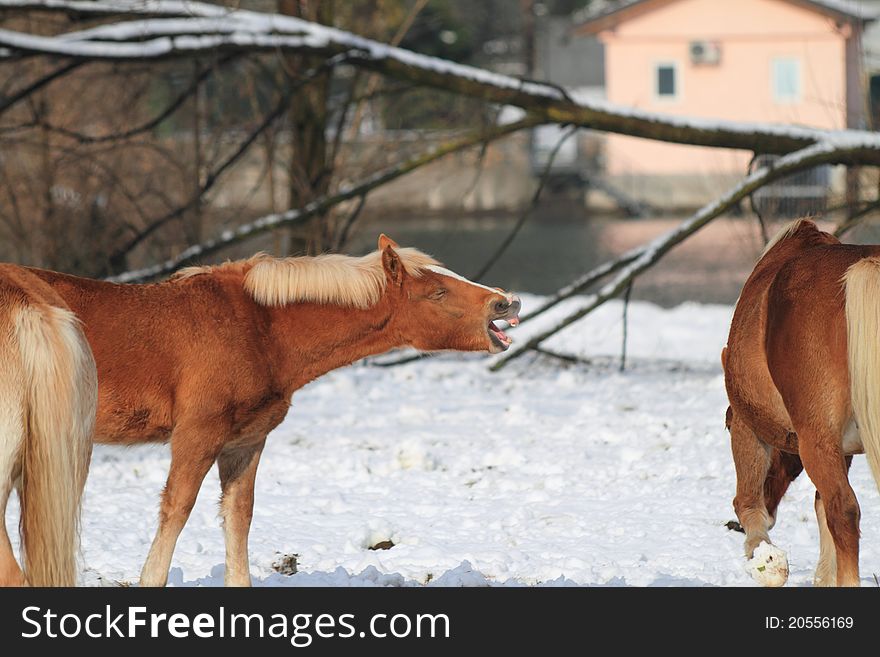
(555, 246)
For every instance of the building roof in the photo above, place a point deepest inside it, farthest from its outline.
(602, 14)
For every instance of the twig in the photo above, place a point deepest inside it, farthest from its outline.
(755, 210)
(625, 325)
(373, 80)
(568, 358)
(855, 219)
(403, 360)
(39, 84)
(293, 217)
(525, 214)
(210, 180)
(480, 166)
(342, 234)
(215, 175)
(151, 123)
(583, 282)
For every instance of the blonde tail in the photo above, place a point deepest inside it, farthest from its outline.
(60, 398)
(862, 282)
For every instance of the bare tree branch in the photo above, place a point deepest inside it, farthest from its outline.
(345, 228)
(35, 86)
(204, 188)
(215, 175)
(217, 29)
(92, 9)
(525, 214)
(152, 123)
(856, 218)
(297, 216)
(650, 254)
(373, 80)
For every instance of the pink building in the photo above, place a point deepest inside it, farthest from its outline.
(785, 61)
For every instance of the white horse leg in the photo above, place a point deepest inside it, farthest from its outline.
(10, 572)
(11, 438)
(826, 570)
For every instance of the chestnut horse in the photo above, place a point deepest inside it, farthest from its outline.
(48, 391)
(802, 371)
(208, 360)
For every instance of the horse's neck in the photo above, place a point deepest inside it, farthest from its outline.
(312, 339)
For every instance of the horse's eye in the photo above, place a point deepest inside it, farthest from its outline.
(438, 294)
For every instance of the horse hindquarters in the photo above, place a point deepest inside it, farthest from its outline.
(48, 390)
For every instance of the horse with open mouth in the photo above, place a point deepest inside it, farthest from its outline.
(209, 359)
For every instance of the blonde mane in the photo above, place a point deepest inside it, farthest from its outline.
(335, 279)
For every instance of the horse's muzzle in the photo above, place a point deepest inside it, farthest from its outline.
(508, 309)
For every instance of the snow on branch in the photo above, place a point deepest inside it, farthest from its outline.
(638, 262)
(167, 28)
(90, 8)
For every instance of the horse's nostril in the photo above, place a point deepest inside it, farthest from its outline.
(501, 306)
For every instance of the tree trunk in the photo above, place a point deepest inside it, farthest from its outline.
(310, 172)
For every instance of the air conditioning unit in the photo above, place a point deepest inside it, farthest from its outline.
(705, 53)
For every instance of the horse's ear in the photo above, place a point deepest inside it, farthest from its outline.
(392, 265)
(385, 242)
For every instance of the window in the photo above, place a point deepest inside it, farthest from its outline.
(786, 80)
(666, 81)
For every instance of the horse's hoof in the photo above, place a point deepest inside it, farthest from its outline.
(768, 566)
(824, 582)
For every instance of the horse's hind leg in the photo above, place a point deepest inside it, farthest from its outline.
(784, 469)
(11, 438)
(10, 572)
(826, 569)
(192, 455)
(753, 459)
(238, 471)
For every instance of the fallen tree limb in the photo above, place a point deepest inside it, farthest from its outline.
(583, 282)
(822, 153)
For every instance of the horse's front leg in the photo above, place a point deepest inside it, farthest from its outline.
(238, 471)
(193, 451)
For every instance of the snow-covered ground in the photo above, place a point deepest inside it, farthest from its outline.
(544, 473)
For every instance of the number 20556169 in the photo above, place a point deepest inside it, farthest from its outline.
(808, 622)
